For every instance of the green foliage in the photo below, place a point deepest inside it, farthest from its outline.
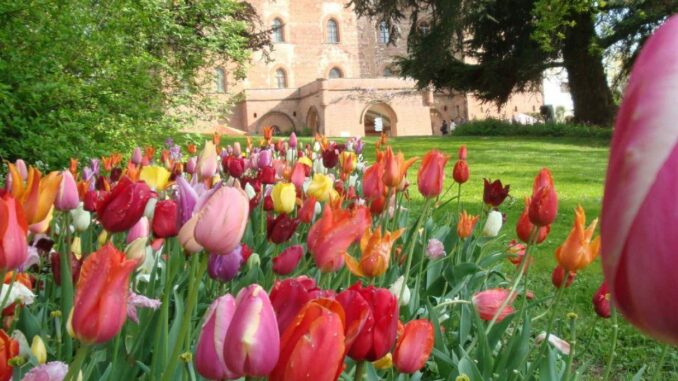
(80, 78)
(494, 127)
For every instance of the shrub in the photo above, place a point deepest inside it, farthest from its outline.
(495, 127)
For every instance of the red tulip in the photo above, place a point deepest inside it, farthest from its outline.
(333, 233)
(374, 311)
(558, 277)
(330, 157)
(209, 351)
(166, 219)
(639, 218)
(121, 209)
(414, 346)
(252, 344)
(488, 302)
(268, 203)
(373, 185)
(494, 192)
(280, 229)
(91, 200)
(288, 260)
(267, 175)
(13, 231)
(9, 348)
(289, 296)
(222, 220)
(432, 174)
(312, 347)
(307, 210)
(544, 200)
(100, 306)
(601, 301)
(524, 226)
(234, 166)
(460, 173)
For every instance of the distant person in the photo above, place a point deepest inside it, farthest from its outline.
(444, 128)
(453, 125)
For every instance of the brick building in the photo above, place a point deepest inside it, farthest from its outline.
(333, 73)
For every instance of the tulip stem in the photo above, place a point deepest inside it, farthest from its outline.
(412, 244)
(359, 371)
(76, 365)
(549, 327)
(198, 265)
(66, 287)
(615, 332)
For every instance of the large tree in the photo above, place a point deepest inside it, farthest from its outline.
(495, 47)
(83, 77)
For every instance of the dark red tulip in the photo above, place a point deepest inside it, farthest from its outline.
(166, 219)
(601, 301)
(102, 184)
(268, 203)
(121, 209)
(281, 228)
(558, 276)
(56, 267)
(330, 157)
(267, 175)
(289, 296)
(377, 310)
(288, 260)
(115, 174)
(494, 193)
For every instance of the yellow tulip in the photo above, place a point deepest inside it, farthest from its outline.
(156, 177)
(305, 161)
(38, 349)
(284, 197)
(321, 187)
(385, 362)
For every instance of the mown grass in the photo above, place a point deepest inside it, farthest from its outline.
(578, 166)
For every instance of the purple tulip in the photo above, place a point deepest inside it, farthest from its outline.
(293, 140)
(191, 165)
(224, 267)
(638, 227)
(94, 164)
(265, 158)
(51, 371)
(187, 197)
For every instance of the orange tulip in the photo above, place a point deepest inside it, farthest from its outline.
(8, 348)
(432, 174)
(73, 167)
(39, 195)
(578, 251)
(466, 224)
(395, 167)
(268, 134)
(376, 253)
(100, 307)
(333, 233)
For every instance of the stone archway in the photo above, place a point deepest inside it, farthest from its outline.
(436, 122)
(280, 122)
(376, 114)
(313, 121)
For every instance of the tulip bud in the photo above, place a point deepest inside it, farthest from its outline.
(38, 349)
(225, 267)
(558, 277)
(67, 197)
(191, 165)
(253, 261)
(137, 250)
(397, 289)
(460, 173)
(601, 301)
(293, 140)
(187, 237)
(102, 238)
(488, 303)
(207, 164)
(137, 156)
(544, 201)
(165, 219)
(493, 224)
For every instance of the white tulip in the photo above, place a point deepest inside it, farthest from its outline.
(396, 289)
(81, 218)
(493, 224)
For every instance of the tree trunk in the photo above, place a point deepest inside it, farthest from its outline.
(591, 95)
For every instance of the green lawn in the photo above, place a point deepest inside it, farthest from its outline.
(578, 167)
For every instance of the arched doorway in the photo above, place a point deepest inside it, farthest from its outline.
(379, 117)
(313, 120)
(280, 122)
(436, 122)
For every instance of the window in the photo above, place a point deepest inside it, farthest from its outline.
(219, 78)
(280, 79)
(335, 73)
(332, 32)
(424, 28)
(278, 35)
(384, 33)
(388, 72)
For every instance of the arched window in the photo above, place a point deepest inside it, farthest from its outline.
(219, 79)
(280, 79)
(424, 28)
(388, 72)
(332, 32)
(278, 31)
(384, 33)
(335, 73)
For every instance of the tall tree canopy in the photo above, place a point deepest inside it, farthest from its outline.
(495, 47)
(80, 75)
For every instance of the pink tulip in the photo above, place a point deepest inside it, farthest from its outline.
(298, 175)
(67, 197)
(488, 302)
(13, 231)
(252, 343)
(21, 167)
(293, 140)
(222, 220)
(237, 151)
(51, 371)
(208, 162)
(137, 156)
(638, 231)
(139, 230)
(209, 353)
